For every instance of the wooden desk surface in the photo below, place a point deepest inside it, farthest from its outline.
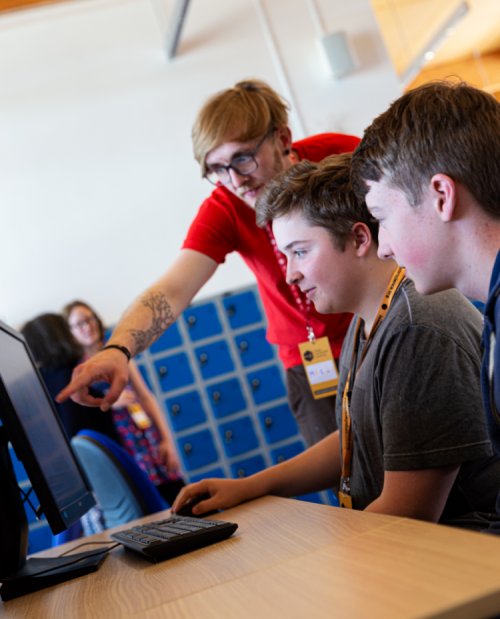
(291, 559)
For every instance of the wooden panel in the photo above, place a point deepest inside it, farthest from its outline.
(16, 5)
(482, 73)
(408, 25)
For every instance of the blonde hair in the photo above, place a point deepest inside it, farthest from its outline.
(251, 107)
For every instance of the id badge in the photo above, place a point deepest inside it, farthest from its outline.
(141, 420)
(345, 500)
(320, 367)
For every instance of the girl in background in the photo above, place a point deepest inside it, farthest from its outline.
(137, 416)
(57, 353)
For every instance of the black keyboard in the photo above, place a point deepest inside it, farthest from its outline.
(173, 536)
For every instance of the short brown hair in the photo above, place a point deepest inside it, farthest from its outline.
(251, 106)
(67, 309)
(438, 128)
(323, 193)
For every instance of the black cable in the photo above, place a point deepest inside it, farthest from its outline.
(85, 544)
(58, 567)
(26, 498)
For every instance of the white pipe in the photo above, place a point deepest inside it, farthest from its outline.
(280, 70)
(319, 26)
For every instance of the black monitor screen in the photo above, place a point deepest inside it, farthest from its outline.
(41, 442)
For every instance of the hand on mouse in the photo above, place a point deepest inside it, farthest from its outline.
(224, 493)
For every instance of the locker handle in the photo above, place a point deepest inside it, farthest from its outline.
(255, 384)
(163, 371)
(268, 421)
(228, 435)
(216, 397)
(176, 409)
(243, 346)
(241, 472)
(281, 458)
(231, 311)
(188, 448)
(203, 358)
(191, 321)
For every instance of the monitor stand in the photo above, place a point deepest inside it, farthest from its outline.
(18, 575)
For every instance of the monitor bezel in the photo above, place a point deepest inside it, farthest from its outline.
(58, 520)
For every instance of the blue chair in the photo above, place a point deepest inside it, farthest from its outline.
(122, 488)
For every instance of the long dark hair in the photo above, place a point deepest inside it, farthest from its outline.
(51, 342)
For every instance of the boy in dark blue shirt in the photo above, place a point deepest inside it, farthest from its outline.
(429, 169)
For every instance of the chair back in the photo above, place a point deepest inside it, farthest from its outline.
(123, 490)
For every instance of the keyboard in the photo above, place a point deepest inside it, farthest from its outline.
(173, 536)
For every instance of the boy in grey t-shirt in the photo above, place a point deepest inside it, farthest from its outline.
(419, 444)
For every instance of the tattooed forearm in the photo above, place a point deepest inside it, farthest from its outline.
(162, 319)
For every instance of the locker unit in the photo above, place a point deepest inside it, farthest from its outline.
(222, 389)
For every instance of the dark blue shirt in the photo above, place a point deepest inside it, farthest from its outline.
(490, 371)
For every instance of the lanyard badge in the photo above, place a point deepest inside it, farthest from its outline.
(319, 366)
(141, 419)
(316, 354)
(347, 436)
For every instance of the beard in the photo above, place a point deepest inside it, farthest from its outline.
(278, 165)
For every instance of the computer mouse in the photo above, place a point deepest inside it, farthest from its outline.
(187, 508)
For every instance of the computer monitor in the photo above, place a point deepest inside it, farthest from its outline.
(32, 426)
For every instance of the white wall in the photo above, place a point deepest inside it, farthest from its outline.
(98, 184)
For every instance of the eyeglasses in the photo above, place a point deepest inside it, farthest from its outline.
(86, 321)
(243, 164)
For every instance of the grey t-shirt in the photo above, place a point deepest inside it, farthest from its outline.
(416, 402)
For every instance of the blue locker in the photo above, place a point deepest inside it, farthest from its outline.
(310, 498)
(333, 498)
(214, 359)
(266, 385)
(238, 436)
(202, 321)
(285, 453)
(242, 309)
(170, 339)
(198, 450)
(145, 375)
(39, 539)
(217, 473)
(278, 423)
(253, 347)
(19, 470)
(245, 468)
(186, 410)
(226, 398)
(174, 372)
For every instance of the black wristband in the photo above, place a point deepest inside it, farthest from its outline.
(124, 350)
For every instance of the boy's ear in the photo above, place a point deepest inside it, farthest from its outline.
(362, 238)
(443, 196)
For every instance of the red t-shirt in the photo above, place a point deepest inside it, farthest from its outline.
(225, 223)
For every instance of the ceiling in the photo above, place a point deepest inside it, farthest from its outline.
(408, 25)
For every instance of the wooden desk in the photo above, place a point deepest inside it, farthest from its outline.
(291, 559)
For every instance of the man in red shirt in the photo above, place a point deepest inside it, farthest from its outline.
(241, 140)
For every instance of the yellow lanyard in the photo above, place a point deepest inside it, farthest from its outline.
(396, 281)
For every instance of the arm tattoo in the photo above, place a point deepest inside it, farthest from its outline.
(162, 319)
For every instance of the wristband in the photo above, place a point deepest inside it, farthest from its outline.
(124, 350)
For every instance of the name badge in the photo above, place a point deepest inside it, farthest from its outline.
(345, 500)
(141, 420)
(320, 367)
